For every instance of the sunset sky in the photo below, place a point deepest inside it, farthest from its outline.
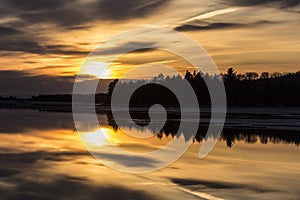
(44, 43)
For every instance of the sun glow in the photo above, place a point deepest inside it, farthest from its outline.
(97, 138)
(96, 69)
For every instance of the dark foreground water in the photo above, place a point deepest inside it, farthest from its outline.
(257, 157)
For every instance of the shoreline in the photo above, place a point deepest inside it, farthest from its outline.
(28, 103)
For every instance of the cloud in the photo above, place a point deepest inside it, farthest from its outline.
(64, 17)
(69, 14)
(190, 27)
(35, 5)
(73, 188)
(220, 185)
(8, 31)
(63, 49)
(138, 47)
(33, 157)
(217, 25)
(211, 14)
(64, 13)
(12, 39)
(282, 3)
(8, 172)
(24, 84)
(69, 187)
(73, 13)
(127, 9)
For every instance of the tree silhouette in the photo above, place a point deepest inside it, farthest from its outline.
(110, 90)
(247, 89)
(264, 75)
(230, 75)
(251, 76)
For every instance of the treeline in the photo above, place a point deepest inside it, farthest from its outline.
(53, 98)
(249, 89)
(9, 98)
(100, 98)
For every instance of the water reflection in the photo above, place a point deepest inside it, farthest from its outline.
(41, 157)
(277, 129)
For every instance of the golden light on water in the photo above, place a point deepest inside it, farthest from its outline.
(96, 138)
(50, 154)
(106, 135)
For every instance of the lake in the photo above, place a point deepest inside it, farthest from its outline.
(256, 157)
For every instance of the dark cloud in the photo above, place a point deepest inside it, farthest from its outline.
(282, 3)
(218, 25)
(73, 13)
(137, 47)
(72, 16)
(24, 84)
(64, 50)
(221, 185)
(70, 187)
(35, 11)
(8, 31)
(21, 83)
(127, 9)
(79, 27)
(35, 5)
(191, 27)
(12, 39)
(143, 50)
(33, 157)
(8, 172)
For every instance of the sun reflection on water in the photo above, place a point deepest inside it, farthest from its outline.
(107, 135)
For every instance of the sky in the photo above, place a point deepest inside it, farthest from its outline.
(44, 43)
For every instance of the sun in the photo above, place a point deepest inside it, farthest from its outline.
(96, 69)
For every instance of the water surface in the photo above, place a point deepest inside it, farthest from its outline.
(42, 157)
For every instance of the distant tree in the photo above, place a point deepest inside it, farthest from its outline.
(241, 77)
(188, 76)
(241, 89)
(264, 75)
(230, 75)
(52, 98)
(110, 90)
(276, 75)
(112, 86)
(159, 77)
(251, 76)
